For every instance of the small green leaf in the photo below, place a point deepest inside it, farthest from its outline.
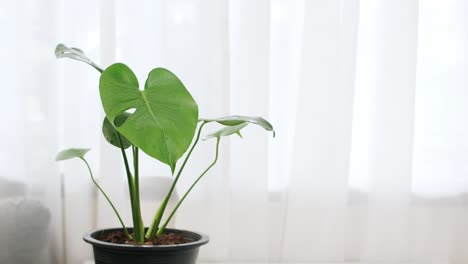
(71, 153)
(227, 131)
(237, 120)
(62, 51)
(112, 135)
(165, 116)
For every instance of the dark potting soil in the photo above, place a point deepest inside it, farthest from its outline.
(118, 237)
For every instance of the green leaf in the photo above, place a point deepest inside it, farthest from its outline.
(227, 131)
(112, 135)
(237, 120)
(165, 116)
(62, 51)
(71, 153)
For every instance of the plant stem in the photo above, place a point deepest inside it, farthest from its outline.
(157, 217)
(95, 66)
(163, 227)
(131, 188)
(107, 198)
(141, 229)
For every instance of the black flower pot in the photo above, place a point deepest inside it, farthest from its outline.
(110, 253)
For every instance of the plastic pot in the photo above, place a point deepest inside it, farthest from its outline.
(110, 253)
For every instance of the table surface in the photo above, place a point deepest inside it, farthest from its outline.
(92, 262)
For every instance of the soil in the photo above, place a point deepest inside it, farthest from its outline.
(118, 237)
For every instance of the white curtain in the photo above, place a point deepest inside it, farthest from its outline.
(368, 99)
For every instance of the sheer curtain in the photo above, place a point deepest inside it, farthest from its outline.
(368, 99)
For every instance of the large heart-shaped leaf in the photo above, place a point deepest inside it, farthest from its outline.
(237, 120)
(165, 116)
(71, 153)
(112, 135)
(62, 51)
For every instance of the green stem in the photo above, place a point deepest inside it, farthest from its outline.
(141, 229)
(95, 66)
(107, 198)
(157, 217)
(163, 227)
(131, 188)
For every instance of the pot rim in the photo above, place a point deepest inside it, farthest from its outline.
(88, 238)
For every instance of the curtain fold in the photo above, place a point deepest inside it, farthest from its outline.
(367, 98)
(390, 48)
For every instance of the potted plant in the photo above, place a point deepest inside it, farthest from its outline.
(162, 121)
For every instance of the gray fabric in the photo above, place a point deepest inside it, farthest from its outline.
(9, 189)
(23, 226)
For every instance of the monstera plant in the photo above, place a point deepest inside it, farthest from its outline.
(161, 119)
